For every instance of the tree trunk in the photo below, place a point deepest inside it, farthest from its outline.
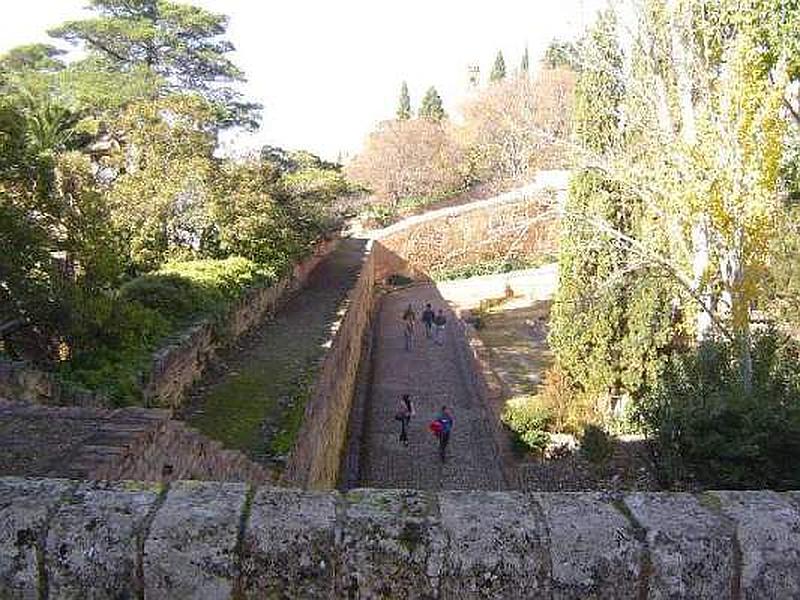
(700, 266)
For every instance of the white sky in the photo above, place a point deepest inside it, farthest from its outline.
(327, 70)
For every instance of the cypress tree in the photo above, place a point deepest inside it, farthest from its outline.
(499, 69)
(431, 106)
(608, 331)
(404, 107)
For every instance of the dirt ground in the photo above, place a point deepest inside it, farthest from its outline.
(513, 332)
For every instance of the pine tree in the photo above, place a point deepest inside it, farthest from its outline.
(404, 108)
(499, 69)
(524, 67)
(180, 43)
(431, 106)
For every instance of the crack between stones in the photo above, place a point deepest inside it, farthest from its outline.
(141, 538)
(238, 552)
(640, 533)
(539, 511)
(40, 549)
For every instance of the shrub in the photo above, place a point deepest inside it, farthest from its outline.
(113, 336)
(710, 431)
(184, 290)
(596, 445)
(570, 408)
(526, 417)
(490, 267)
(112, 340)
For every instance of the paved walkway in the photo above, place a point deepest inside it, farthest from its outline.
(433, 375)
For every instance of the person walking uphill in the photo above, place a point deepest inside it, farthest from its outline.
(441, 427)
(427, 318)
(404, 414)
(439, 322)
(409, 319)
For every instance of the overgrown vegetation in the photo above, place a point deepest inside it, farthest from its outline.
(118, 221)
(679, 233)
(490, 267)
(712, 432)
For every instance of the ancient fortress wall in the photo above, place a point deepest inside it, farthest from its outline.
(518, 224)
(315, 459)
(61, 539)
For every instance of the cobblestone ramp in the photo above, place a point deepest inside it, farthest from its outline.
(245, 399)
(433, 375)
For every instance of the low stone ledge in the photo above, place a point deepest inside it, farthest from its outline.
(498, 546)
(692, 548)
(595, 551)
(25, 511)
(92, 540)
(223, 540)
(768, 531)
(289, 545)
(190, 550)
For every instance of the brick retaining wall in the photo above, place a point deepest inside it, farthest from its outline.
(61, 539)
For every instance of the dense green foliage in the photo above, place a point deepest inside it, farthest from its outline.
(611, 330)
(562, 54)
(611, 326)
(179, 43)
(529, 421)
(709, 430)
(675, 231)
(524, 65)
(119, 223)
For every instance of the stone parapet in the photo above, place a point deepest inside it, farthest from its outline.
(192, 539)
(317, 455)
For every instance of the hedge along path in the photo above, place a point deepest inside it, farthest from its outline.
(433, 375)
(253, 398)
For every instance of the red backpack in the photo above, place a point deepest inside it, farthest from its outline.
(436, 427)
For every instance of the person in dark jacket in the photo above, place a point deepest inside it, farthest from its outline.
(404, 414)
(427, 318)
(445, 418)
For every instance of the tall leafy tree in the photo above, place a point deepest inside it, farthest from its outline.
(404, 106)
(431, 106)
(499, 68)
(562, 54)
(183, 44)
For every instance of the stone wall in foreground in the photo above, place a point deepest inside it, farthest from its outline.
(61, 539)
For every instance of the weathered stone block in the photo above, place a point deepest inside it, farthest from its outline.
(692, 547)
(594, 548)
(190, 550)
(768, 530)
(497, 546)
(289, 545)
(24, 508)
(391, 545)
(92, 540)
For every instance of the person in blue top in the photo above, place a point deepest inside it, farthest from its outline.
(445, 417)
